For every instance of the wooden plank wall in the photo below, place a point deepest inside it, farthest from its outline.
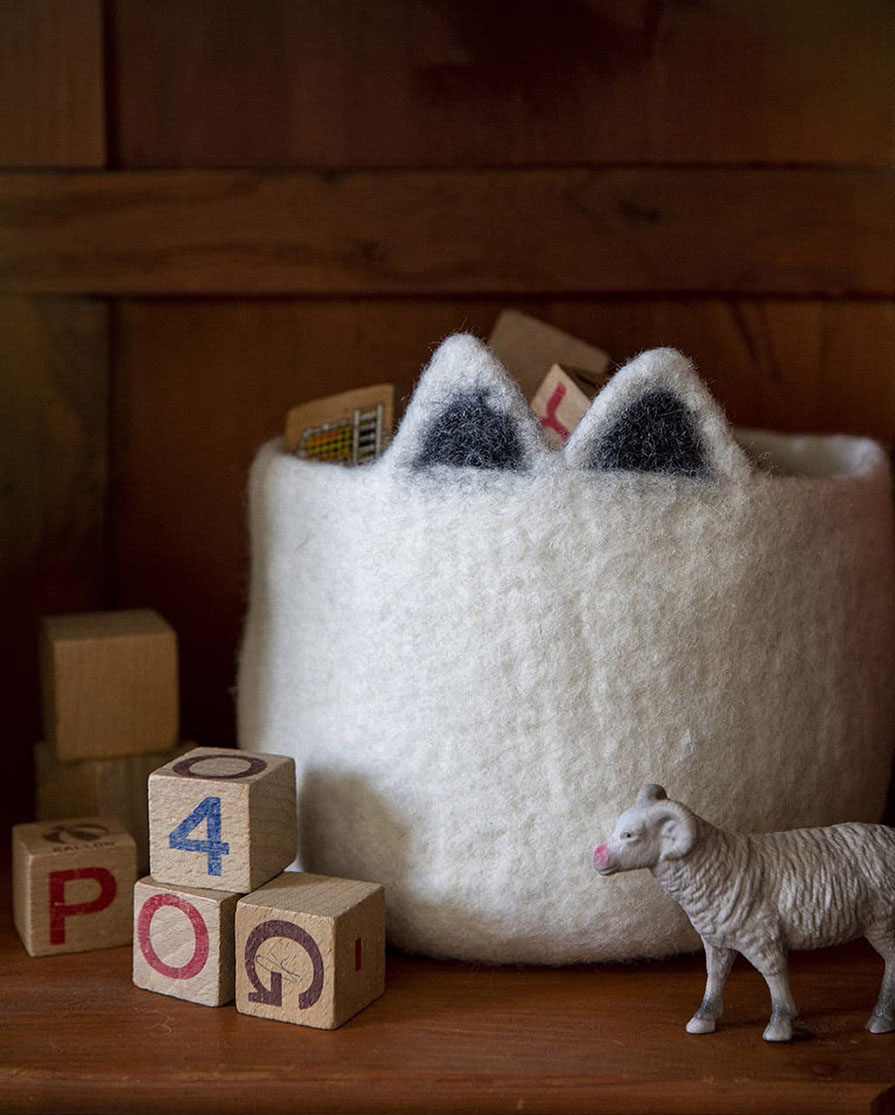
(305, 197)
(54, 371)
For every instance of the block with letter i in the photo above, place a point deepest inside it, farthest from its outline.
(310, 949)
(221, 819)
(72, 883)
(183, 941)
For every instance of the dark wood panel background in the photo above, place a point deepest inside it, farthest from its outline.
(716, 176)
(52, 83)
(54, 372)
(381, 83)
(567, 230)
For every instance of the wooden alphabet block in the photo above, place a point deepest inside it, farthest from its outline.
(109, 683)
(71, 884)
(310, 949)
(221, 819)
(528, 348)
(117, 787)
(561, 402)
(183, 941)
(349, 428)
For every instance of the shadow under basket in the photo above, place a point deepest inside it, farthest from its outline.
(478, 649)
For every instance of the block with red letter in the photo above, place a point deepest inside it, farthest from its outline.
(310, 949)
(221, 819)
(561, 402)
(183, 941)
(72, 883)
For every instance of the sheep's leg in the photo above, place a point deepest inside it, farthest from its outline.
(773, 966)
(882, 1021)
(717, 965)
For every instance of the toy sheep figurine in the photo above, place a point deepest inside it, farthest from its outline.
(761, 895)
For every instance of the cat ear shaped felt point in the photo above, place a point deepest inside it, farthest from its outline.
(656, 416)
(467, 412)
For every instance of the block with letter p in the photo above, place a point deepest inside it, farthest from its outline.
(72, 883)
(221, 819)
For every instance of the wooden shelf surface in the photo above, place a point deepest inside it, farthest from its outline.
(572, 230)
(77, 1036)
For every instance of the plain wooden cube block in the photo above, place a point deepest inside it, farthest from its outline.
(71, 884)
(221, 819)
(109, 683)
(310, 949)
(118, 787)
(183, 941)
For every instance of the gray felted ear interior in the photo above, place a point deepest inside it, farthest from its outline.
(469, 433)
(467, 413)
(656, 418)
(655, 433)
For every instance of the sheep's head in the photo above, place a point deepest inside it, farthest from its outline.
(652, 830)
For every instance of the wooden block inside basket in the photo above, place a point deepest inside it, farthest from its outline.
(183, 941)
(562, 401)
(109, 683)
(349, 428)
(310, 949)
(71, 884)
(528, 349)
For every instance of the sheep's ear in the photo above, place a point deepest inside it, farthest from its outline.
(656, 416)
(678, 832)
(651, 792)
(467, 412)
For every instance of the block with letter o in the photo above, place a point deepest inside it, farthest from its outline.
(183, 941)
(310, 949)
(221, 819)
(72, 883)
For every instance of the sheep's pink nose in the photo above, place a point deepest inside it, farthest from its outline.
(601, 855)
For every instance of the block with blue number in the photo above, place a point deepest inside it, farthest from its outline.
(221, 819)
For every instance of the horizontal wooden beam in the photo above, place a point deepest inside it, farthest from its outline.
(551, 231)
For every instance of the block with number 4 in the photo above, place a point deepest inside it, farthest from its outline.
(71, 884)
(310, 949)
(221, 819)
(183, 941)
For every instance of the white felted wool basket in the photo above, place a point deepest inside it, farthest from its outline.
(477, 650)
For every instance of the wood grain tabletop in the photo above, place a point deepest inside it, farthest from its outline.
(77, 1036)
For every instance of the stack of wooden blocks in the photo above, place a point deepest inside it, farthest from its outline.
(217, 919)
(109, 682)
(111, 716)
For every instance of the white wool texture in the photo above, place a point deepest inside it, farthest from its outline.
(475, 668)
